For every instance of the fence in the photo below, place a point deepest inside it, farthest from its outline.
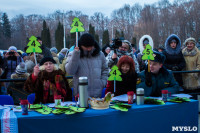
(70, 77)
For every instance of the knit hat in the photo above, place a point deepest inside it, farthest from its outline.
(54, 49)
(24, 54)
(12, 48)
(21, 68)
(190, 40)
(45, 59)
(86, 40)
(158, 57)
(64, 50)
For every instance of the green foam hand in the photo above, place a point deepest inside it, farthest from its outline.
(35, 106)
(69, 112)
(45, 110)
(148, 53)
(179, 100)
(33, 45)
(148, 100)
(61, 107)
(58, 111)
(77, 109)
(115, 74)
(119, 108)
(77, 26)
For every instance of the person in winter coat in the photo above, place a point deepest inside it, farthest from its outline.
(11, 60)
(87, 60)
(15, 89)
(63, 54)
(126, 49)
(48, 81)
(54, 54)
(191, 81)
(144, 40)
(45, 51)
(159, 78)
(174, 57)
(2, 69)
(106, 50)
(126, 66)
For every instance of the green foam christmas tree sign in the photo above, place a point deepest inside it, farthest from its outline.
(33, 45)
(77, 26)
(148, 53)
(115, 74)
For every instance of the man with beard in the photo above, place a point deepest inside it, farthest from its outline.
(87, 60)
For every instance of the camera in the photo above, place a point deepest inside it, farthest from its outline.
(116, 43)
(11, 53)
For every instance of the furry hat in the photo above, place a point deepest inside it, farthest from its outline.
(86, 40)
(12, 48)
(190, 40)
(158, 57)
(45, 59)
(21, 68)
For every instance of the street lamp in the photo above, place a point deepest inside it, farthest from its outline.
(64, 41)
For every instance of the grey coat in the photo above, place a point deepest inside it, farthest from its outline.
(93, 67)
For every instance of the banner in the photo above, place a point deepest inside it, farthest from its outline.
(9, 122)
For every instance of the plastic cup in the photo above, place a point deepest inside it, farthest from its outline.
(130, 97)
(57, 100)
(24, 106)
(164, 95)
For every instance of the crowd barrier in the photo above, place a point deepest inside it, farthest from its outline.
(70, 77)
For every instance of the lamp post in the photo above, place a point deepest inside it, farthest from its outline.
(64, 41)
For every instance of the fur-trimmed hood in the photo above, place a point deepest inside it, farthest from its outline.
(168, 49)
(141, 42)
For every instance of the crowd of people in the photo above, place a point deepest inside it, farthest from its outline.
(46, 75)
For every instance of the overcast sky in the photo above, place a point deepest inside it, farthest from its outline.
(43, 7)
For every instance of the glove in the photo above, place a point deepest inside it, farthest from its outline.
(175, 68)
(148, 80)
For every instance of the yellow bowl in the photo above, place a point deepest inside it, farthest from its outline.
(98, 103)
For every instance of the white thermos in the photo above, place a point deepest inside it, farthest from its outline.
(140, 96)
(83, 92)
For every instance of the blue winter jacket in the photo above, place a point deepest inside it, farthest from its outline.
(164, 80)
